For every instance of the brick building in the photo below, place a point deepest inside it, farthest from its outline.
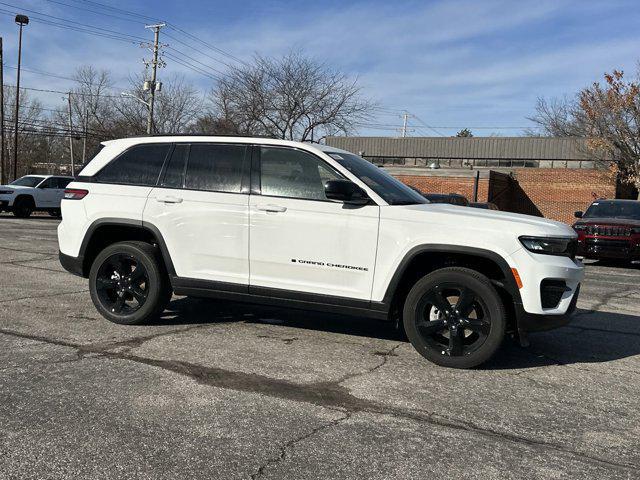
(550, 177)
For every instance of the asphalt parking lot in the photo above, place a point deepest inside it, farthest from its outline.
(229, 391)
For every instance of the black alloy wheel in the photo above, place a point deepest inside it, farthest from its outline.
(454, 317)
(122, 284)
(128, 283)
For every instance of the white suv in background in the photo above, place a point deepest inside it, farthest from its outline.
(310, 227)
(33, 192)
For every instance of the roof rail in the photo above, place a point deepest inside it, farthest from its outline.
(202, 135)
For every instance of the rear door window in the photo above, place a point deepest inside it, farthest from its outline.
(140, 165)
(215, 167)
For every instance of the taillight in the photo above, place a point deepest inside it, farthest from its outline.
(75, 194)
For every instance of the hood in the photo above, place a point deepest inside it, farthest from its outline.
(476, 218)
(609, 221)
(437, 223)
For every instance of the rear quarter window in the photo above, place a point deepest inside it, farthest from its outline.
(140, 165)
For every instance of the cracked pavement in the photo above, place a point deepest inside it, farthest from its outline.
(221, 390)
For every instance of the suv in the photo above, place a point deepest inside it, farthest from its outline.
(609, 229)
(33, 192)
(311, 227)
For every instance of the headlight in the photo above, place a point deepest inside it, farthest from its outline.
(6, 192)
(550, 245)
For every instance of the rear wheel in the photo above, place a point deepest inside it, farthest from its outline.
(55, 213)
(128, 283)
(23, 207)
(455, 318)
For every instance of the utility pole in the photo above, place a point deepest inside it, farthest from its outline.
(3, 170)
(405, 118)
(154, 65)
(73, 166)
(84, 140)
(21, 20)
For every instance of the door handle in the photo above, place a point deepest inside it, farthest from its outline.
(271, 208)
(169, 199)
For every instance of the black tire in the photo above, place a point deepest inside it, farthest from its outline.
(55, 213)
(129, 284)
(466, 331)
(23, 207)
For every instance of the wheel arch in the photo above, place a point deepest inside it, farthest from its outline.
(25, 196)
(106, 231)
(423, 259)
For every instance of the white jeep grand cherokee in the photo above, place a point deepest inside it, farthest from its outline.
(33, 192)
(311, 227)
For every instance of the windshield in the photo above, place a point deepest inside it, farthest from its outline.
(27, 181)
(392, 191)
(612, 209)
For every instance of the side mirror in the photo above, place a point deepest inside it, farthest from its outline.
(345, 191)
(578, 214)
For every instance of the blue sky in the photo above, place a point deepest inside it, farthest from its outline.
(451, 64)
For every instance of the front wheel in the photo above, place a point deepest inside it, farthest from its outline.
(23, 207)
(128, 283)
(455, 318)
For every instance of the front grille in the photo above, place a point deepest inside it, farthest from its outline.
(551, 292)
(605, 243)
(608, 230)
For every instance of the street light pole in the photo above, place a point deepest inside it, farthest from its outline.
(21, 20)
(3, 166)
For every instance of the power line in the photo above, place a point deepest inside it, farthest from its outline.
(70, 27)
(38, 72)
(197, 50)
(80, 24)
(95, 11)
(65, 93)
(115, 9)
(191, 66)
(197, 39)
(122, 11)
(198, 61)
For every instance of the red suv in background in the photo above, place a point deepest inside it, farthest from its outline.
(609, 229)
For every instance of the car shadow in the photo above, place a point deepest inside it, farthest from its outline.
(191, 311)
(592, 337)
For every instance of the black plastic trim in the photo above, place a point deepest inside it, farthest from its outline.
(275, 297)
(129, 223)
(509, 284)
(530, 322)
(72, 264)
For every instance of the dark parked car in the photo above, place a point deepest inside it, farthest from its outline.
(452, 198)
(485, 205)
(609, 229)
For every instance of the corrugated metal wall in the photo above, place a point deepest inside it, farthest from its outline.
(530, 148)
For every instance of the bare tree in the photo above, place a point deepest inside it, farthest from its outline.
(176, 108)
(293, 98)
(30, 123)
(607, 115)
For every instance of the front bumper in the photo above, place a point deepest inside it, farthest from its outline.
(4, 205)
(72, 264)
(532, 322)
